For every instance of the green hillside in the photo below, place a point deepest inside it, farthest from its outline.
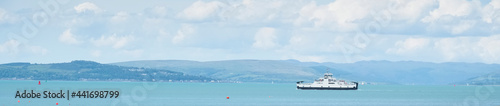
(488, 79)
(88, 70)
(239, 70)
(375, 72)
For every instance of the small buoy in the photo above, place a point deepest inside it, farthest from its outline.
(18, 101)
(57, 103)
(227, 97)
(453, 85)
(39, 83)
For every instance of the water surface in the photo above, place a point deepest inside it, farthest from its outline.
(250, 94)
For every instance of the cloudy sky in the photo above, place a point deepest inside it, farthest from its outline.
(342, 31)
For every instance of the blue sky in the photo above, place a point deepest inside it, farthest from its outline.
(342, 31)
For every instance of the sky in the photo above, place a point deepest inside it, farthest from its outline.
(340, 31)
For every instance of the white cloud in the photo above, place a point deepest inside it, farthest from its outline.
(185, 31)
(68, 38)
(3, 15)
(14, 47)
(10, 46)
(347, 11)
(304, 30)
(257, 11)
(317, 15)
(490, 49)
(340, 15)
(87, 6)
(312, 46)
(160, 11)
(163, 35)
(462, 26)
(265, 38)
(96, 53)
(312, 43)
(119, 17)
(200, 10)
(455, 16)
(454, 8)
(37, 50)
(477, 49)
(451, 49)
(409, 45)
(113, 41)
(411, 10)
(133, 53)
(490, 12)
(457, 49)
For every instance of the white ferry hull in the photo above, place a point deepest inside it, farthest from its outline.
(328, 82)
(310, 87)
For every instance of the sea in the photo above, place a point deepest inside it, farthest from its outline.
(244, 94)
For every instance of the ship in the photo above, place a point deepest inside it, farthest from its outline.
(328, 82)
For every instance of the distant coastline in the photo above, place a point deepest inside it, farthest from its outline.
(256, 71)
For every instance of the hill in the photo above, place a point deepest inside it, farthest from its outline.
(488, 79)
(381, 72)
(241, 70)
(88, 70)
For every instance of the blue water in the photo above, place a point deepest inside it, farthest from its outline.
(250, 94)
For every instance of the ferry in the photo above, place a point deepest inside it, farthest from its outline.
(328, 82)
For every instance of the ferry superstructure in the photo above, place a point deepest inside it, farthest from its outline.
(328, 82)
